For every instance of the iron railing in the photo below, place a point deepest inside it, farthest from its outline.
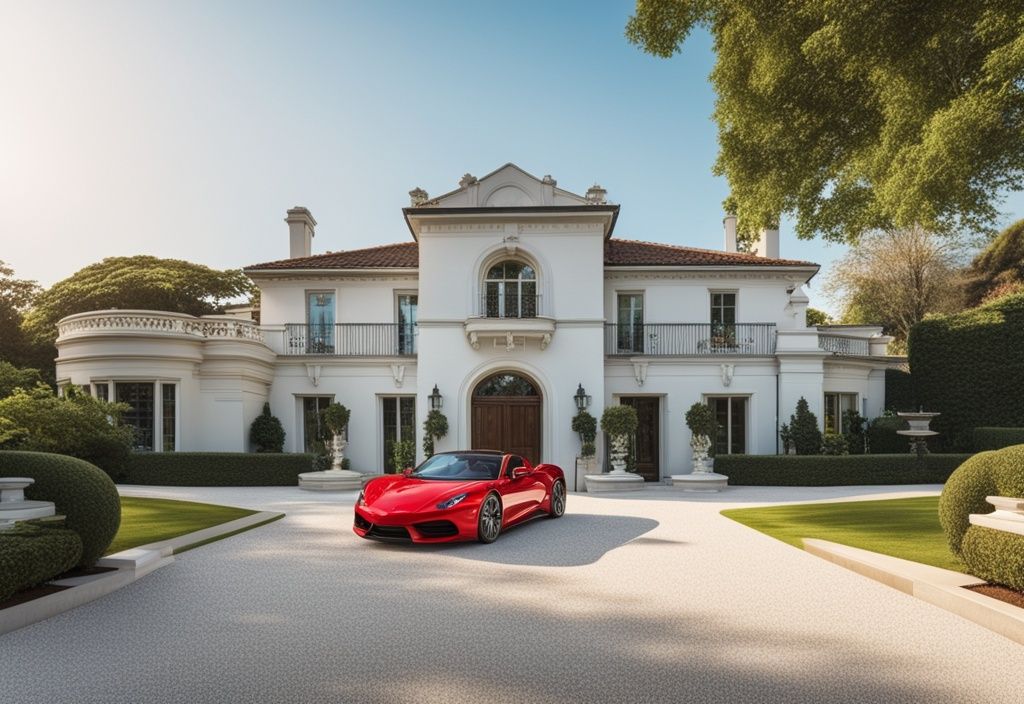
(352, 339)
(689, 339)
(510, 305)
(843, 345)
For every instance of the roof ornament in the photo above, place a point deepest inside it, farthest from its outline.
(467, 180)
(549, 180)
(418, 196)
(596, 195)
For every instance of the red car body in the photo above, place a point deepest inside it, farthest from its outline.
(407, 508)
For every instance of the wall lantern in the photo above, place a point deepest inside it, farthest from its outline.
(581, 398)
(435, 399)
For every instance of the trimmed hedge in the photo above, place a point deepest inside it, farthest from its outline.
(997, 438)
(993, 555)
(836, 470)
(969, 367)
(31, 554)
(80, 491)
(217, 468)
(899, 391)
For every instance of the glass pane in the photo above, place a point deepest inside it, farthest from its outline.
(738, 425)
(314, 431)
(320, 314)
(102, 392)
(407, 312)
(492, 299)
(407, 417)
(496, 272)
(511, 299)
(140, 415)
(721, 408)
(389, 421)
(830, 413)
(527, 272)
(168, 407)
(505, 385)
(512, 270)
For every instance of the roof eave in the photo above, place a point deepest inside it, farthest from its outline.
(433, 211)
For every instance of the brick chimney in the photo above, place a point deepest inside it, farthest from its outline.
(300, 232)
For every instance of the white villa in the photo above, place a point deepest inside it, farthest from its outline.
(509, 297)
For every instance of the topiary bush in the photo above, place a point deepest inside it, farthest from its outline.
(803, 426)
(266, 432)
(836, 470)
(997, 438)
(899, 391)
(218, 468)
(585, 425)
(32, 553)
(834, 444)
(882, 438)
(80, 491)
(619, 421)
(434, 427)
(969, 367)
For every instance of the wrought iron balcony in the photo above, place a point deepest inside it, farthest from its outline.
(510, 305)
(352, 339)
(689, 339)
(845, 345)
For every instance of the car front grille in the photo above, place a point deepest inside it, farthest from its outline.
(396, 534)
(436, 529)
(362, 523)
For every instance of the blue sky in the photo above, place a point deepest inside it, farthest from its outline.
(186, 129)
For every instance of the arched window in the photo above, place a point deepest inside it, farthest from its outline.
(510, 291)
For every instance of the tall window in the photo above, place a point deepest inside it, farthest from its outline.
(168, 416)
(631, 322)
(398, 416)
(407, 305)
(836, 406)
(731, 414)
(320, 318)
(314, 431)
(141, 411)
(723, 317)
(510, 291)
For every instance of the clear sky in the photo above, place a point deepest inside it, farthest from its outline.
(186, 129)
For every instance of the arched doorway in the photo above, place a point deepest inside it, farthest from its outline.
(506, 410)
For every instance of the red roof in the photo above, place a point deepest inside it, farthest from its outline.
(617, 252)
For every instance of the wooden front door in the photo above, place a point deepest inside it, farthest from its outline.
(647, 442)
(506, 416)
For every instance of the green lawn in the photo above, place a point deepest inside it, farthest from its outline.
(906, 528)
(149, 520)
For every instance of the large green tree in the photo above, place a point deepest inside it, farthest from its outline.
(141, 283)
(999, 269)
(858, 116)
(16, 295)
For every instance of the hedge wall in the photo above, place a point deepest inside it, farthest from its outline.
(836, 470)
(217, 468)
(997, 438)
(80, 491)
(31, 554)
(899, 391)
(970, 368)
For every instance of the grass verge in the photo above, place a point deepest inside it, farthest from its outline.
(904, 528)
(146, 521)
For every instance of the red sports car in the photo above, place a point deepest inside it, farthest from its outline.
(469, 495)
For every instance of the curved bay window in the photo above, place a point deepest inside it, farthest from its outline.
(510, 291)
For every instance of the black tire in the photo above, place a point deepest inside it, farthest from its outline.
(557, 500)
(488, 523)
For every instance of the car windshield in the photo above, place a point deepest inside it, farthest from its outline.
(460, 466)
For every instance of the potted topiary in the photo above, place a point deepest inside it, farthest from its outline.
(619, 423)
(700, 419)
(335, 418)
(434, 427)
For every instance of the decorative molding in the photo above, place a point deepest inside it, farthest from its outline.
(727, 373)
(398, 374)
(545, 340)
(159, 323)
(313, 372)
(640, 372)
(616, 274)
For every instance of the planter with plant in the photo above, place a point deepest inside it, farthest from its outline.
(619, 423)
(434, 427)
(585, 425)
(700, 419)
(335, 418)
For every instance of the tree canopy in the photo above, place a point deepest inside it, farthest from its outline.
(140, 282)
(999, 269)
(16, 295)
(859, 116)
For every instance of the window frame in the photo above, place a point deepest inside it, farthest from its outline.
(158, 404)
(635, 334)
(398, 294)
(382, 428)
(746, 422)
(838, 410)
(501, 310)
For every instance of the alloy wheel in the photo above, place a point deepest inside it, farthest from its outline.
(557, 499)
(490, 519)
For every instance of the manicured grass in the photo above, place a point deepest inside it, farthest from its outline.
(149, 520)
(905, 528)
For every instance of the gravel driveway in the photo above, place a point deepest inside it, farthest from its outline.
(650, 597)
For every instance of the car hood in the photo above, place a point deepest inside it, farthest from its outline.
(399, 494)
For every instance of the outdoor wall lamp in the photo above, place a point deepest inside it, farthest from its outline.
(581, 398)
(435, 399)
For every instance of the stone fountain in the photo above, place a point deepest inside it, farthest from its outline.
(918, 432)
(15, 507)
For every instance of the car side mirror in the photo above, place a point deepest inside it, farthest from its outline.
(519, 472)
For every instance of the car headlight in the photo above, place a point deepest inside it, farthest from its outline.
(361, 499)
(452, 501)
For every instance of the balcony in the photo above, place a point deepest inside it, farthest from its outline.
(845, 345)
(510, 305)
(509, 321)
(351, 340)
(690, 340)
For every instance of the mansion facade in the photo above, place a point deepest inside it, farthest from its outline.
(511, 303)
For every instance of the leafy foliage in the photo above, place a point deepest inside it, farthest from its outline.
(999, 269)
(266, 432)
(16, 295)
(989, 554)
(836, 470)
(33, 553)
(585, 425)
(786, 436)
(834, 444)
(854, 116)
(854, 424)
(12, 377)
(817, 317)
(403, 454)
(335, 418)
(899, 391)
(80, 491)
(969, 368)
(700, 419)
(804, 427)
(218, 468)
(75, 424)
(997, 438)
(435, 426)
(618, 421)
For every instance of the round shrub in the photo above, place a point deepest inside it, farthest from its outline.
(619, 421)
(81, 491)
(700, 419)
(834, 444)
(990, 554)
(31, 554)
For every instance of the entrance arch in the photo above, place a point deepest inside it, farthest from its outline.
(506, 415)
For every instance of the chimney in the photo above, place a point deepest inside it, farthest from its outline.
(300, 232)
(768, 243)
(730, 232)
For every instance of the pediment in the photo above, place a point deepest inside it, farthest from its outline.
(506, 187)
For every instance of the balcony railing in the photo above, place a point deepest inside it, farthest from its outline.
(844, 345)
(510, 305)
(690, 339)
(352, 339)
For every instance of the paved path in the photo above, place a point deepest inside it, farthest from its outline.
(649, 597)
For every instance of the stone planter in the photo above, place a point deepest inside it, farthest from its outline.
(584, 466)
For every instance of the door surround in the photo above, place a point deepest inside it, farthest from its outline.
(508, 422)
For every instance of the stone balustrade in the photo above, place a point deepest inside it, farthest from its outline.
(151, 322)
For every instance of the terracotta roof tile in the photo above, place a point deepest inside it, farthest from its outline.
(617, 252)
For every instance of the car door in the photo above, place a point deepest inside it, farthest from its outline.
(515, 494)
